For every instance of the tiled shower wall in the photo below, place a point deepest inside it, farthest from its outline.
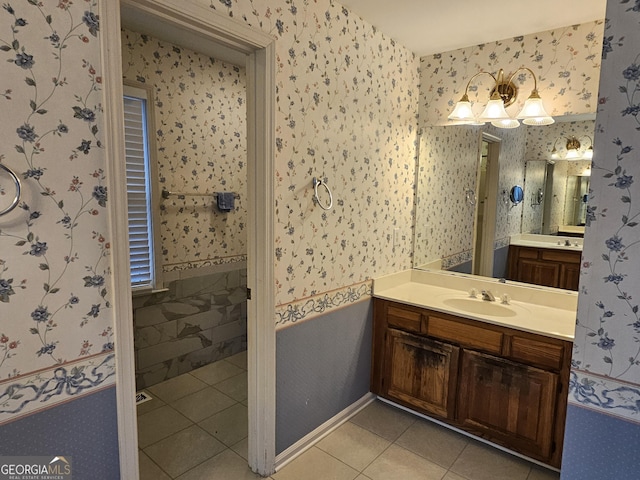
(199, 320)
(200, 113)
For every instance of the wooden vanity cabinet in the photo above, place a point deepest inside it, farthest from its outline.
(498, 383)
(544, 266)
(513, 404)
(422, 373)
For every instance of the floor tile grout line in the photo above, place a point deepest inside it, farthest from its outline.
(335, 458)
(456, 459)
(155, 463)
(223, 410)
(206, 460)
(381, 453)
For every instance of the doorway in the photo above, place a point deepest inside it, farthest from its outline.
(486, 206)
(196, 23)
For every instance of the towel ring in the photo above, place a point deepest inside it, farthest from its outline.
(317, 183)
(16, 199)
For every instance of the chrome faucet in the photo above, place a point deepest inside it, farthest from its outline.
(488, 296)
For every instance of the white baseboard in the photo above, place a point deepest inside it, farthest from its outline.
(322, 431)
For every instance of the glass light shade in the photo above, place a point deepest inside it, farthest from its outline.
(494, 111)
(588, 153)
(554, 154)
(462, 112)
(533, 108)
(538, 121)
(506, 123)
(573, 154)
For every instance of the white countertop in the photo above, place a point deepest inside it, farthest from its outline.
(545, 311)
(547, 241)
(571, 229)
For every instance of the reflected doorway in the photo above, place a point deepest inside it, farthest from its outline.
(486, 207)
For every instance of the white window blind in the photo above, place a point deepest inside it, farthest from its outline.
(138, 188)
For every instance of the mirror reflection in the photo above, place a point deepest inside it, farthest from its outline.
(451, 232)
(476, 235)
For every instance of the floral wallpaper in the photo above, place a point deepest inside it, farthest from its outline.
(54, 248)
(511, 161)
(448, 167)
(200, 119)
(606, 359)
(566, 62)
(346, 113)
(532, 207)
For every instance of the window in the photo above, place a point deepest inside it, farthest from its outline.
(140, 172)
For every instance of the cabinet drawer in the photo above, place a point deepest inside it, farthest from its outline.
(560, 256)
(536, 352)
(527, 252)
(465, 334)
(404, 318)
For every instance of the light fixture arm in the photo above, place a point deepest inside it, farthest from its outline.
(465, 97)
(535, 80)
(590, 139)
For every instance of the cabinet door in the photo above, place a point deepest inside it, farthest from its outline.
(538, 272)
(509, 403)
(570, 276)
(421, 373)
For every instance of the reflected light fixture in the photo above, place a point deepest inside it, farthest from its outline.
(503, 94)
(574, 149)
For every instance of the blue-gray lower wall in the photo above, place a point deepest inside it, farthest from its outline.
(322, 367)
(85, 429)
(599, 447)
(500, 260)
(465, 267)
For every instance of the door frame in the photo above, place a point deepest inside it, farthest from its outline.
(259, 49)
(484, 252)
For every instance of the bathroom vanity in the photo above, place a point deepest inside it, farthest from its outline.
(545, 260)
(498, 371)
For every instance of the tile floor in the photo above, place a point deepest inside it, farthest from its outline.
(195, 428)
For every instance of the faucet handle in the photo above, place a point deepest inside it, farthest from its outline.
(506, 298)
(473, 293)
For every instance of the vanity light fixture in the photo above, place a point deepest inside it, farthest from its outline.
(503, 94)
(574, 149)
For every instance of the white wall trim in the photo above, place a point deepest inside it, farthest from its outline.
(118, 228)
(261, 344)
(310, 439)
(259, 49)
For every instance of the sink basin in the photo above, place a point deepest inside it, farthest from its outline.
(481, 307)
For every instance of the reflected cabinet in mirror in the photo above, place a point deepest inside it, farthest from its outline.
(454, 233)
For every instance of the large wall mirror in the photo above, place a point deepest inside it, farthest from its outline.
(454, 233)
(464, 217)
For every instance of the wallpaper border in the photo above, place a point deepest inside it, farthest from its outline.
(47, 388)
(307, 308)
(467, 255)
(605, 395)
(209, 262)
